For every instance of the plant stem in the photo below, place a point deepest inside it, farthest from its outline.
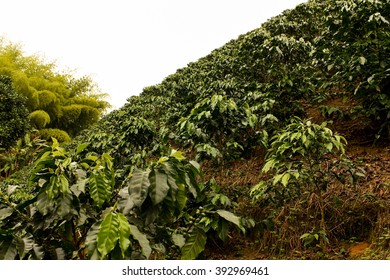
(13, 206)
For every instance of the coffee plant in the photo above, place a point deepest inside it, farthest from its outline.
(304, 158)
(122, 190)
(79, 212)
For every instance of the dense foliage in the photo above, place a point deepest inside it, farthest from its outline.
(79, 210)
(231, 100)
(54, 99)
(13, 114)
(122, 190)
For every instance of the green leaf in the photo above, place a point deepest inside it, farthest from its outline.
(142, 240)
(159, 187)
(178, 240)
(59, 254)
(152, 213)
(79, 187)
(91, 241)
(268, 165)
(223, 229)
(124, 233)
(65, 205)
(99, 187)
(125, 203)
(64, 184)
(138, 186)
(7, 250)
(362, 60)
(11, 189)
(178, 155)
(277, 178)
(55, 143)
(24, 245)
(81, 148)
(44, 205)
(195, 164)
(229, 216)
(92, 158)
(329, 146)
(66, 162)
(285, 179)
(370, 80)
(52, 187)
(181, 197)
(108, 234)
(5, 212)
(37, 253)
(195, 244)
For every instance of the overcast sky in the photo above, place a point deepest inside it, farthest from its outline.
(126, 45)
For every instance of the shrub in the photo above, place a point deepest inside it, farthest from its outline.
(39, 119)
(13, 114)
(58, 134)
(304, 158)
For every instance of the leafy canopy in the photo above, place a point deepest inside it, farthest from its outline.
(71, 103)
(13, 114)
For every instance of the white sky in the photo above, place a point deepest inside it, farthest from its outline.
(126, 45)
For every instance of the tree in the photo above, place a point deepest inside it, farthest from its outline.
(63, 101)
(13, 114)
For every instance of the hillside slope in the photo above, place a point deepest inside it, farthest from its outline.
(268, 117)
(229, 101)
(324, 60)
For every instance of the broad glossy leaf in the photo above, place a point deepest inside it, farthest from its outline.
(172, 185)
(159, 187)
(196, 165)
(8, 250)
(81, 148)
(181, 197)
(66, 162)
(178, 240)
(5, 212)
(64, 205)
(223, 229)
(60, 254)
(52, 187)
(79, 187)
(37, 252)
(138, 186)
(124, 233)
(11, 189)
(142, 240)
(44, 205)
(99, 188)
(229, 216)
(329, 146)
(64, 184)
(152, 213)
(169, 168)
(91, 241)
(24, 245)
(285, 179)
(55, 143)
(195, 244)
(268, 165)
(277, 178)
(108, 234)
(125, 203)
(178, 155)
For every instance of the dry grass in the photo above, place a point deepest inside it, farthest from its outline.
(358, 213)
